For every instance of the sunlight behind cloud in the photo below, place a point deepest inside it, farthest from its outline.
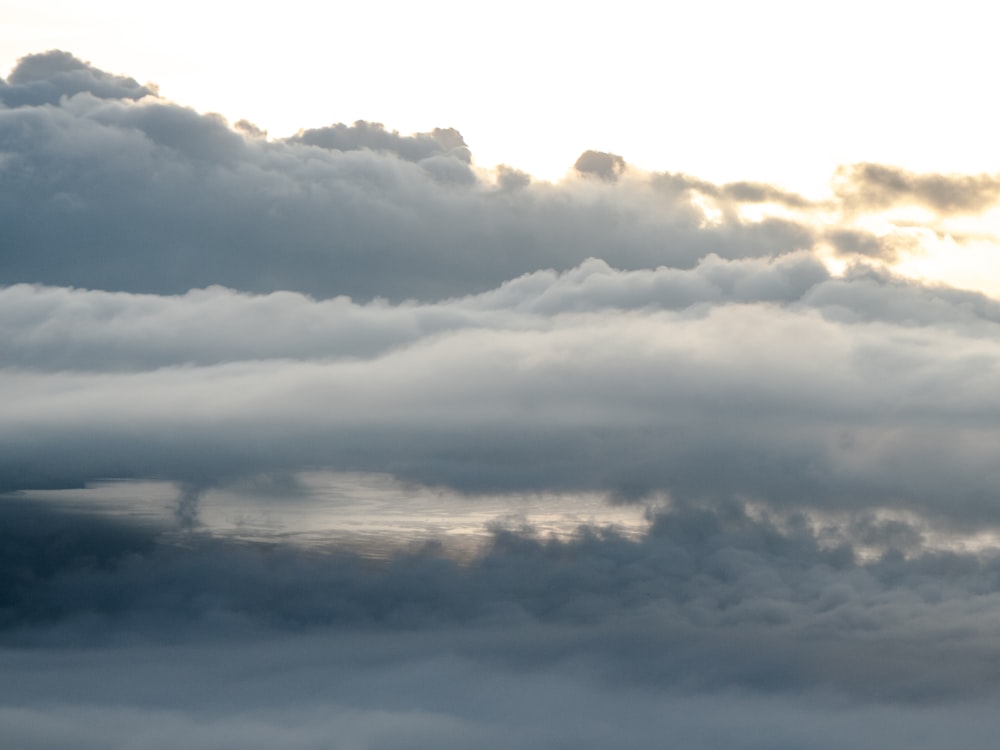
(371, 514)
(969, 265)
(773, 90)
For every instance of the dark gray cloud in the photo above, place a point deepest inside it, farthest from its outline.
(720, 626)
(707, 600)
(374, 136)
(442, 152)
(868, 186)
(46, 77)
(441, 702)
(156, 198)
(601, 164)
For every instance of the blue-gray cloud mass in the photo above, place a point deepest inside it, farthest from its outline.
(192, 302)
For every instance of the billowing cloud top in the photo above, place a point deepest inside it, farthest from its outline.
(374, 136)
(47, 77)
(154, 197)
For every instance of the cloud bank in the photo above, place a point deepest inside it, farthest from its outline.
(766, 379)
(717, 626)
(192, 302)
(157, 198)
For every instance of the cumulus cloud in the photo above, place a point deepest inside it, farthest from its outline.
(154, 197)
(46, 77)
(509, 178)
(601, 164)
(442, 152)
(374, 136)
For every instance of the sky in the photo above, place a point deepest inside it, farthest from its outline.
(777, 91)
(413, 377)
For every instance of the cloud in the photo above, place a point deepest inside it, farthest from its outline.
(600, 164)
(54, 328)
(374, 136)
(767, 379)
(442, 152)
(720, 626)
(509, 178)
(193, 303)
(46, 77)
(248, 129)
(389, 691)
(872, 187)
(758, 192)
(153, 197)
(887, 248)
(708, 600)
(732, 192)
(689, 356)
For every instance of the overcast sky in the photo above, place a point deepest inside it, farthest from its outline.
(797, 385)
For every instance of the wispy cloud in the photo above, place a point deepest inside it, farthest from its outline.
(869, 187)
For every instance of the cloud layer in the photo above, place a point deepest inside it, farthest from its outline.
(724, 627)
(192, 302)
(767, 379)
(158, 198)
